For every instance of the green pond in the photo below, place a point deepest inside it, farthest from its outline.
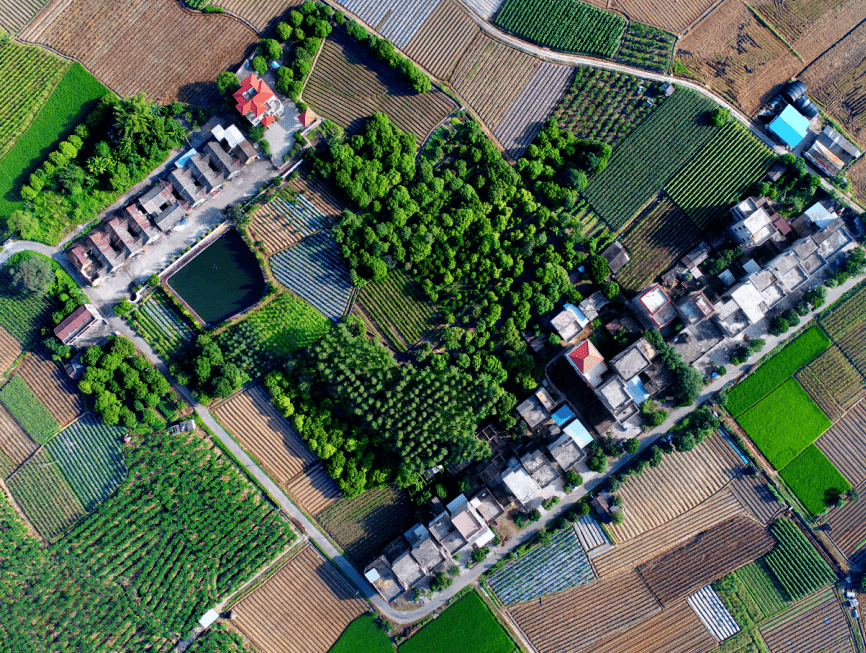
(223, 279)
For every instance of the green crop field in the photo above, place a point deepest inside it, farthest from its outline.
(846, 316)
(566, 25)
(27, 410)
(399, 308)
(764, 587)
(720, 174)
(23, 315)
(815, 480)
(784, 423)
(795, 562)
(364, 634)
(646, 47)
(648, 158)
(72, 99)
(161, 324)
(774, 371)
(468, 625)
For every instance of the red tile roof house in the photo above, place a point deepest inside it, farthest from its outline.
(307, 117)
(257, 102)
(587, 362)
(75, 326)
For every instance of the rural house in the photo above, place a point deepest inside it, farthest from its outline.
(616, 256)
(831, 152)
(569, 322)
(587, 362)
(653, 307)
(77, 324)
(751, 223)
(239, 147)
(256, 101)
(790, 127)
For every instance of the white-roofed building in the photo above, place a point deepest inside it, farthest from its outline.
(752, 225)
(520, 485)
(654, 307)
(569, 322)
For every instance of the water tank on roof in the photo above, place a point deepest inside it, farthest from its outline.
(805, 106)
(793, 91)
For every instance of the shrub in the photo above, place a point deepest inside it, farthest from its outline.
(574, 479)
(479, 554)
(779, 325)
(534, 515)
(617, 517)
(632, 445)
(549, 503)
(598, 268)
(259, 64)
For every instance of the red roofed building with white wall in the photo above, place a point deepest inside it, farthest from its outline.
(586, 360)
(257, 102)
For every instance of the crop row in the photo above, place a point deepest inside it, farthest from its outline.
(395, 300)
(306, 217)
(646, 47)
(23, 315)
(795, 562)
(850, 315)
(165, 317)
(833, 382)
(763, 586)
(27, 410)
(815, 480)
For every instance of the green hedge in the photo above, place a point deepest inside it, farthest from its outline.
(815, 480)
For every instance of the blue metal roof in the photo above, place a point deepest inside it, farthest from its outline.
(578, 433)
(790, 126)
(637, 391)
(562, 415)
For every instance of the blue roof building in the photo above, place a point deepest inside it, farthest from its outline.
(562, 415)
(790, 126)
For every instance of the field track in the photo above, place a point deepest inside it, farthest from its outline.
(314, 490)
(14, 442)
(261, 14)
(812, 625)
(848, 525)
(675, 630)
(671, 16)
(266, 434)
(15, 14)
(443, 37)
(303, 608)
(53, 388)
(152, 46)
(10, 350)
(845, 444)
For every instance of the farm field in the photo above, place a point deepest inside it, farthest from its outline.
(720, 174)
(674, 17)
(675, 630)
(44, 495)
(15, 14)
(158, 321)
(282, 223)
(604, 104)
(266, 434)
(348, 85)
(318, 192)
(832, 382)
(52, 387)
(316, 271)
(32, 73)
(777, 369)
(857, 177)
(395, 21)
(795, 562)
(10, 350)
(814, 479)
(848, 526)
(753, 492)
(845, 443)
(303, 608)
(681, 482)
(783, 435)
(809, 626)
(585, 615)
(6, 465)
(705, 557)
(263, 15)
(646, 47)
(793, 17)
(363, 634)
(23, 316)
(314, 490)
(15, 444)
(763, 587)
(90, 455)
(443, 37)
(399, 308)
(468, 625)
(846, 325)
(150, 46)
(525, 118)
(544, 570)
(17, 397)
(362, 526)
(679, 128)
(490, 76)
(658, 237)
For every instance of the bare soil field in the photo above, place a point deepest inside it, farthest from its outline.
(443, 37)
(845, 444)
(10, 350)
(586, 614)
(705, 557)
(848, 525)
(857, 177)
(15, 14)
(155, 46)
(348, 84)
(14, 442)
(817, 24)
(263, 15)
(274, 227)
(674, 630)
(753, 492)
(681, 482)
(792, 18)
(490, 76)
(53, 388)
(674, 17)
(314, 490)
(303, 608)
(252, 419)
(833, 382)
(815, 624)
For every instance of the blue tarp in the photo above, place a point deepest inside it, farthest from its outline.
(637, 391)
(790, 126)
(562, 415)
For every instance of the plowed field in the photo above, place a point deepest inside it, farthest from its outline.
(263, 15)
(314, 490)
(10, 349)
(267, 435)
(815, 624)
(155, 46)
(845, 444)
(753, 492)
(280, 224)
(348, 84)
(857, 176)
(53, 388)
(319, 193)
(303, 608)
(490, 76)
(14, 14)
(674, 17)
(14, 442)
(675, 630)
(832, 382)
(443, 37)
(848, 525)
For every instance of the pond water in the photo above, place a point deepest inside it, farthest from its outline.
(222, 280)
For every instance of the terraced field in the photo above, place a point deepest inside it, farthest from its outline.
(399, 308)
(52, 387)
(815, 624)
(303, 608)
(675, 630)
(15, 14)
(261, 14)
(10, 350)
(347, 85)
(14, 442)
(444, 36)
(315, 270)
(832, 382)
(314, 491)
(845, 444)
(281, 224)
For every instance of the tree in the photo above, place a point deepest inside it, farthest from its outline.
(631, 445)
(284, 31)
(599, 270)
(720, 116)
(270, 49)
(617, 517)
(259, 64)
(610, 290)
(227, 83)
(123, 307)
(134, 115)
(479, 554)
(33, 274)
(573, 478)
(779, 325)
(24, 223)
(235, 215)
(816, 297)
(285, 77)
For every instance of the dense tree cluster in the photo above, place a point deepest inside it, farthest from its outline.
(688, 382)
(795, 190)
(207, 371)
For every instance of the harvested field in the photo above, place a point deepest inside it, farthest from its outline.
(811, 625)
(395, 20)
(853, 344)
(709, 555)
(658, 238)
(303, 608)
(263, 15)
(821, 25)
(674, 17)
(753, 492)
(365, 524)
(715, 510)
(526, 117)
(15, 14)
(314, 490)
(444, 36)
(845, 444)
(320, 193)
(490, 76)
(586, 614)
(832, 382)
(151, 46)
(848, 525)
(348, 85)
(53, 388)
(681, 482)
(675, 630)
(268, 436)
(282, 223)
(14, 442)
(10, 350)
(792, 18)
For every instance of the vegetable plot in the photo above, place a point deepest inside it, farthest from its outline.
(794, 561)
(160, 323)
(23, 315)
(397, 304)
(814, 479)
(27, 410)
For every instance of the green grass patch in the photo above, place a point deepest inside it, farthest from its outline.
(364, 634)
(775, 370)
(815, 480)
(784, 423)
(795, 562)
(468, 625)
(28, 411)
(69, 104)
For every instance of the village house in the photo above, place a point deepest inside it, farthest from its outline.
(77, 324)
(831, 152)
(256, 101)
